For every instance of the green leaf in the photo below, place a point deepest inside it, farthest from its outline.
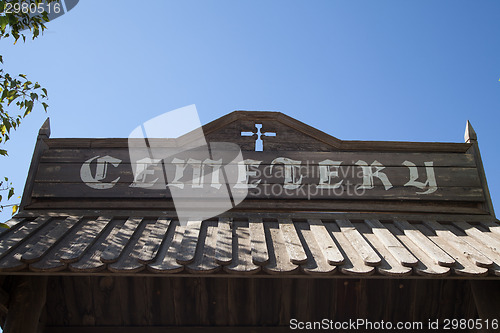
(3, 22)
(11, 193)
(5, 226)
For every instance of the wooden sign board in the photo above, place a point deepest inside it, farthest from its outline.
(294, 162)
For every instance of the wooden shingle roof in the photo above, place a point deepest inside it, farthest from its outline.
(298, 245)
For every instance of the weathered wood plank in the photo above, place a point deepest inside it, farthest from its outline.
(85, 238)
(389, 265)
(435, 252)
(426, 265)
(204, 259)
(491, 253)
(75, 155)
(391, 243)
(309, 172)
(326, 205)
(151, 246)
(267, 191)
(165, 260)
(325, 242)
(91, 260)
(357, 241)
(292, 241)
(260, 255)
(127, 261)
(13, 238)
(189, 242)
(223, 253)
(118, 243)
(316, 260)
(50, 261)
(462, 246)
(353, 262)
(494, 227)
(11, 223)
(242, 250)
(11, 261)
(49, 240)
(279, 259)
(484, 237)
(463, 266)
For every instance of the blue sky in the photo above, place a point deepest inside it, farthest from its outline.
(358, 70)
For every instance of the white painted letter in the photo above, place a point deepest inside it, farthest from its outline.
(100, 172)
(291, 167)
(180, 166)
(142, 170)
(370, 171)
(244, 173)
(326, 174)
(431, 177)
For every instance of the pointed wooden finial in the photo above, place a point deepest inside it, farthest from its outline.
(45, 129)
(470, 134)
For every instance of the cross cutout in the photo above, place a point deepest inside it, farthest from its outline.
(258, 143)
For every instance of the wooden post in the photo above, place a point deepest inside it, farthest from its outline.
(26, 304)
(471, 137)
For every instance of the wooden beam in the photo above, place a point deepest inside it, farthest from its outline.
(40, 147)
(471, 137)
(149, 329)
(27, 301)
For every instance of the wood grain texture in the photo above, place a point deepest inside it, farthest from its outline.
(127, 261)
(260, 255)
(242, 262)
(165, 261)
(51, 260)
(328, 247)
(434, 251)
(204, 260)
(493, 227)
(357, 241)
(80, 155)
(309, 170)
(389, 266)
(353, 263)
(491, 253)
(350, 191)
(458, 244)
(50, 239)
(391, 243)
(16, 235)
(316, 263)
(292, 242)
(91, 260)
(484, 237)
(118, 243)
(189, 242)
(279, 259)
(155, 236)
(84, 239)
(426, 266)
(223, 253)
(463, 265)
